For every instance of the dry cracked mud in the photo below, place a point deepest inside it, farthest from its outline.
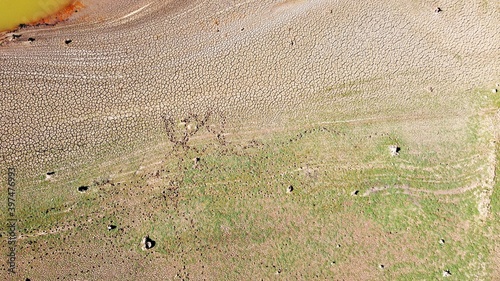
(91, 97)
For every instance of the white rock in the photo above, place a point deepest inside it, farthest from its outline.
(394, 149)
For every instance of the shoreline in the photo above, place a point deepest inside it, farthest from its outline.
(61, 15)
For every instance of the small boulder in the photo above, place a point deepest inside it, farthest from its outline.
(394, 150)
(49, 175)
(446, 273)
(147, 243)
(196, 161)
(289, 189)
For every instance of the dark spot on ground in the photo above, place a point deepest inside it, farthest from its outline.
(83, 188)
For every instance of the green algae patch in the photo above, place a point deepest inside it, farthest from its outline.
(16, 12)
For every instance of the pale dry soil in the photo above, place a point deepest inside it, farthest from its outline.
(265, 95)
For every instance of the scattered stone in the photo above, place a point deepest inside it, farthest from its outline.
(338, 246)
(381, 266)
(111, 227)
(147, 243)
(196, 160)
(494, 90)
(49, 175)
(67, 41)
(446, 273)
(438, 10)
(333, 262)
(15, 36)
(441, 241)
(31, 39)
(394, 149)
(355, 192)
(83, 188)
(289, 189)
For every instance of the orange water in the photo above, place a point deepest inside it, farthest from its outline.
(15, 12)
